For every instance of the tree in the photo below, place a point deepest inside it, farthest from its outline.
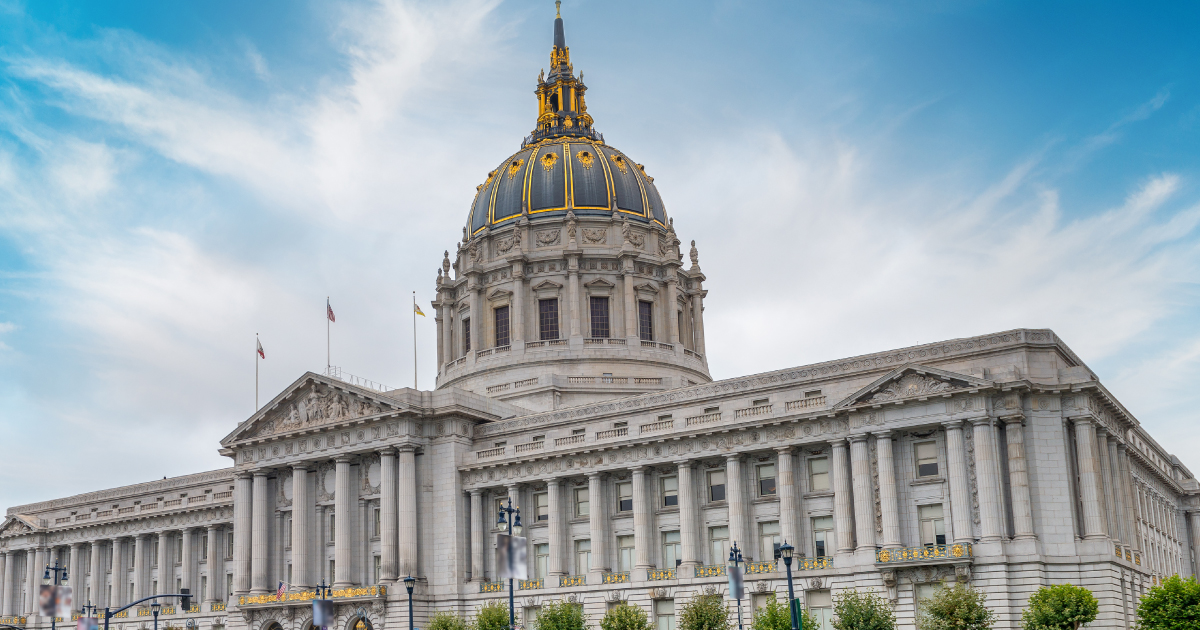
(447, 621)
(704, 612)
(957, 607)
(1173, 605)
(1060, 607)
(776, 616)
(492, 616)
(854, 610)
(626, 617)
(561, 615)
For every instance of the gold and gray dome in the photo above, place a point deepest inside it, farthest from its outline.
(564, 163)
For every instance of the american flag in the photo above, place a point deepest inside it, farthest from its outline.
(329, 311)
(279, 592)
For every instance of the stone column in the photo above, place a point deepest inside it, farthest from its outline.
(1106, 484)
(960, 490)
(76, 574)
(96, 573)
(1018, 478)
(1089, 477)
(517, 327)
(140, 549)
(642, 527)
(843, 512)
(698, 319)
(187, 560)
(573, 296)
(6, 587)
(119, 575)
(669, 307)
(260, 526)
(991, 518)
(789, 507)
(558, 545)
(476, 318)
(216, 575)
(343, 508)
(301, 541)
(888, 505)
(1126, 483)
(631, 329)
(34, 561)
(598, 524)
(406, 490)
(735, 501)
(164, 563)
(864, 501)
(389, 516)
(448, 325)
(243, 510)
(1194, 516)
(478, 524)
(689, 517)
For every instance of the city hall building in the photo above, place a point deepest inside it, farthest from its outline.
(573, 382)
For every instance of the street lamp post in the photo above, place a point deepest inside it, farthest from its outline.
(512, 517)
(735, 559)
(59, 572)
(786, 551)
(409, 583)
(155, 608)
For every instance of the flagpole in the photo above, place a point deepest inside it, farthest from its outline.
(414, 316)
(256, 346)
(327, 335)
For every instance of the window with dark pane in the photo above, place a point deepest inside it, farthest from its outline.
(599, 313)
(548, 319)
(646, 321)
(502, 336)
(466, 335)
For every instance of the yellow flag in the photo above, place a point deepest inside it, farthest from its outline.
(417, 310)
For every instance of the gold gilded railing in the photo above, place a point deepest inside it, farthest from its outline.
(956, 551)
(216, 607)
(122, 614)
(13, 620)
(715, 570)
(620, 577)
(306, 596)
(761, 567)
(812, 564)
(526, 585)
(491, 587)
(660, 574)
(572, 580)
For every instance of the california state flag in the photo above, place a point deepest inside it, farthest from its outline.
(260, 350)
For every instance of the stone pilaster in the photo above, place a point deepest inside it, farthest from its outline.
(669, 307)
(6, 587)
(689, 519)
(406, 489)
(573, 296)
(554, 523)
(1089, 478)
(388, 517)
(243, 510)
(1018, 478)
(1126, 483)
(735, 501)
(343, 509)
(448, 325)
(598, 524)
(960, 485)
(889, 508)
(789, 507)
(698, 318)
(864, 501)
(843, 499)
(1106, 484)
(642, 524)
(260, 523)
(631, 329)
(991, 515)
(478, 525)
(517, 327)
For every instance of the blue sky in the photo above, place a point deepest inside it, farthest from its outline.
(175, 177)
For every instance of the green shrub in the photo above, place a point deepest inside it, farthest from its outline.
(1173, 605)
(855, 610)
(1060, 607)
(561, 615)
(491, 616)
(626, 617)
(957, 607)
(446, 620)
(703, 612)
(776, 616)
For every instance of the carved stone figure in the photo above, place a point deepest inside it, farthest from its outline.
(570, 226)
(694, 255)
(593, 235)
(910, 385)
(446, 262)
(546, 238)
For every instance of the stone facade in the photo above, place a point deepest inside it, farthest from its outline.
(573, 382)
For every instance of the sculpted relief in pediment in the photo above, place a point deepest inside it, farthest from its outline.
(910, 385)
(320, 405)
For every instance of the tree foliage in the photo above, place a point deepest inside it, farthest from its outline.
(1060, 607)
(446, 620)
(626, 617)
(703, 612)
(776, 616)
(1173, 605)
(561, 615)
(957, 607)
(859, 610)
(491, 616)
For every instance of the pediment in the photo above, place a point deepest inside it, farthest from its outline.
(599, 283)
(548, 285)
(18, 524)
(646, 288)
(312, 401)
(913, 381)
(500, 294)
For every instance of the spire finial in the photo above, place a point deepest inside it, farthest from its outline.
(558, 9)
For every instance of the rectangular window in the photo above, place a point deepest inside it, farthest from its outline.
(664, 614)
(646, 321)
(922, 592)
(531, 616)
(768, 540)
(289, 574)
(818, 474)
(287, 534)
(203, 587)
(820, 604)
(204, 547)
(822, 536)
(466, 334)
(154, 586)
(766, 480)
(228, 584)
(378, 568)
(933, 525)
(502, 337)
(718, 545)
(547, 319)
(583, 556)
(672, 553)
(154, 555)
(624, 496)
(229, 547)
(582, 504)
(375, 522)
(541, 561)
(761, 600)
(179, 551)
(716, 485)
(670, 491)
(178, 584)
(625, 553)
(541, 506)
(332, 566)
(599, 312)
(927, 461)
(332, 527)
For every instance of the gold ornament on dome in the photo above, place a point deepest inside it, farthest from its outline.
(620, 162)
(585, 159)
(514, 168)
(548, 161)
(568, 123)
